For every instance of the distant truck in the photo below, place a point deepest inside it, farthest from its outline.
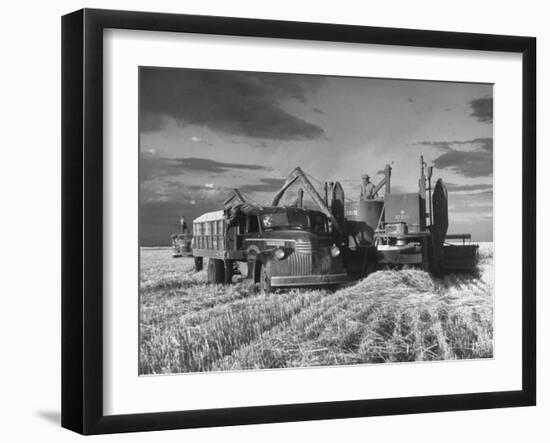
(181, 245)
(282, 246)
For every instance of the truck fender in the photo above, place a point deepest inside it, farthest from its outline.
(255, 263)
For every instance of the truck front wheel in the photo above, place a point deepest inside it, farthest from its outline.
(265, 279)
(215, 272)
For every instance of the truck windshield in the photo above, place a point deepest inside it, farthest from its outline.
(280, 220)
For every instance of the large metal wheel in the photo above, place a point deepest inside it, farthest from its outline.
(215, 272)
(198, 264)
(265, 279)
(426, 255)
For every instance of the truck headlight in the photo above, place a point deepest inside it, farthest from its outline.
(279, 254)
(335, 251)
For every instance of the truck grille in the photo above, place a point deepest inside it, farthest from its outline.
(300, 264)
(306, 247)
(308, 264)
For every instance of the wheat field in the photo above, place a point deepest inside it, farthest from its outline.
(404, 315)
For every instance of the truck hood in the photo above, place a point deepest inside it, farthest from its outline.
(297, 235)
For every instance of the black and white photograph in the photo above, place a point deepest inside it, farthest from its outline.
(295, 220)
(275, 222)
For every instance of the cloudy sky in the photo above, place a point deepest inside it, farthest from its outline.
(203, 133)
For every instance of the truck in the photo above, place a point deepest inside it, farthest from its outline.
(181, 245)
(282, 246)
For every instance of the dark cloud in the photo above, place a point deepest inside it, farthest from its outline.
(488, 192)
(473, 187)
(160, 219)
(205, 165)
(203, 188)
(151, 121)
(472, 202)
(474, 162)
(482, 109)
(154, 167)
(160, 212)
(410, 100)
(469, 164)
(237, 103)
(266, 185)
(483, 143)
(163, 202)
(444, 146)
(318, 111)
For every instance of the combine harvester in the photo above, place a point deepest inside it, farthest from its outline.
(339, 241)
(406, 232)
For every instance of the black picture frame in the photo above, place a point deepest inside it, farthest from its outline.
(82, 215)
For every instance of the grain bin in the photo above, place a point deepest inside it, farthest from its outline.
(365, 214)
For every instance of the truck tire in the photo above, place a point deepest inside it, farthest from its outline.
(215, 273)
(228, 271)
(265, 279)
(198, 264)
(368, 261)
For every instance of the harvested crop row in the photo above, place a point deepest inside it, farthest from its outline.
(288, 339)
(171, 305)
(206, 336)
(390, 316)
